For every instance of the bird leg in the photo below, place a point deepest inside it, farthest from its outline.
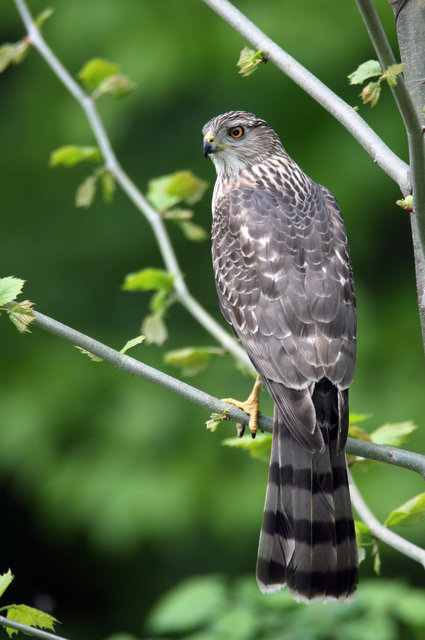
(251, 406)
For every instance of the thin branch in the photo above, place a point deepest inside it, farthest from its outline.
(378, 530)
(343, 112)
(154, 218)
(399, 457)
(31, 631)
(416, 144)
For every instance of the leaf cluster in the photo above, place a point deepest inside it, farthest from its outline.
(20, 313)
(371, 69)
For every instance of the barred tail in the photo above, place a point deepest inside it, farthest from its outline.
(307, 541)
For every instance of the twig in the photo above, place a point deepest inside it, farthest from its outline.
(399, 457)
(32, 631)
(343, 112)
(379, 531)
(112, 165)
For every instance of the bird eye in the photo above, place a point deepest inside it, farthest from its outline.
(236, 132)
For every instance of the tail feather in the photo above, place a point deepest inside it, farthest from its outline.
(307, 541)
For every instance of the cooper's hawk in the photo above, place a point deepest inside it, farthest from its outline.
(285, 285)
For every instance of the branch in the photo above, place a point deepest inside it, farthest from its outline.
(378, 530)
(112, 165)
(391, 455)
(31, 631)
(343, 112)
(416, 144)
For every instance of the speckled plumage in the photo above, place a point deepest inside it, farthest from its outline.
(285, 285)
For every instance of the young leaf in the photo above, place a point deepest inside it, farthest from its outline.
(191, 360)
(30, 616)
(393, 435)
(249, 60)
(89, 354)
(371, 93)
(148, 279)
(178, 214)
(358, 417)
(257, 448)
(43, 16)
(117, 86)
(376, 557)
(406, 204)
(95, 71)
(367, 70)
(10, 288)
(108, 186)
(86, 192)
(392, 72)
(12, 53)
(132, 343)
(167, 191)
(154, 329)
(193, 231)
(70, 155)
(214, 422)
(5, 580)
(186, 187)
(359, 434)
(409, 513)
(22, 314)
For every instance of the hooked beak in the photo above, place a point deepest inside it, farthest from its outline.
(209, 145)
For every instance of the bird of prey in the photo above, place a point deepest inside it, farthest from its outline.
(285, 285)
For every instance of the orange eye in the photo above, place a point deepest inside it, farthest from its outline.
(236, 132)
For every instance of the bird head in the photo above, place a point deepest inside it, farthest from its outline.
(238, 139)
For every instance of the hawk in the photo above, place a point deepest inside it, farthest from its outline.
(285, 285)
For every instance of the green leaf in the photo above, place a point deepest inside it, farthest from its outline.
(22, 314)
(10, 288)
(29, 616)
(392, 72)
(12, 53)
(406, 204)
(154, 329)
(376, 557)
(358, 417)
(149, 279)
(191, 360)
(70, 155)
(108, 186)
(132, 343)
(193, 604)
(258, 447)
(249, 61)
(86, 192)
(193, 231)
(167, 191)
(358, 434)
(366, 70)
(95, 71)
(187, 187)
(409, 513)
(5, 580)
(371, 93)
(178, 214)
(393, 435)
(117, 86)
(89, 354)
(43, 16)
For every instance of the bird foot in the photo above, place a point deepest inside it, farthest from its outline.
(251, 406)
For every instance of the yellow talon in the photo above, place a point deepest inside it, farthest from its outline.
(251, 406)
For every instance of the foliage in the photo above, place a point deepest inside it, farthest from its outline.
(211, 608)
(22, 613)
(370, 69)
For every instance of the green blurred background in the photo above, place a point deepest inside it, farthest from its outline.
(112, 490)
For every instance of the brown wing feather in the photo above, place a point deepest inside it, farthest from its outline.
(285, 285)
